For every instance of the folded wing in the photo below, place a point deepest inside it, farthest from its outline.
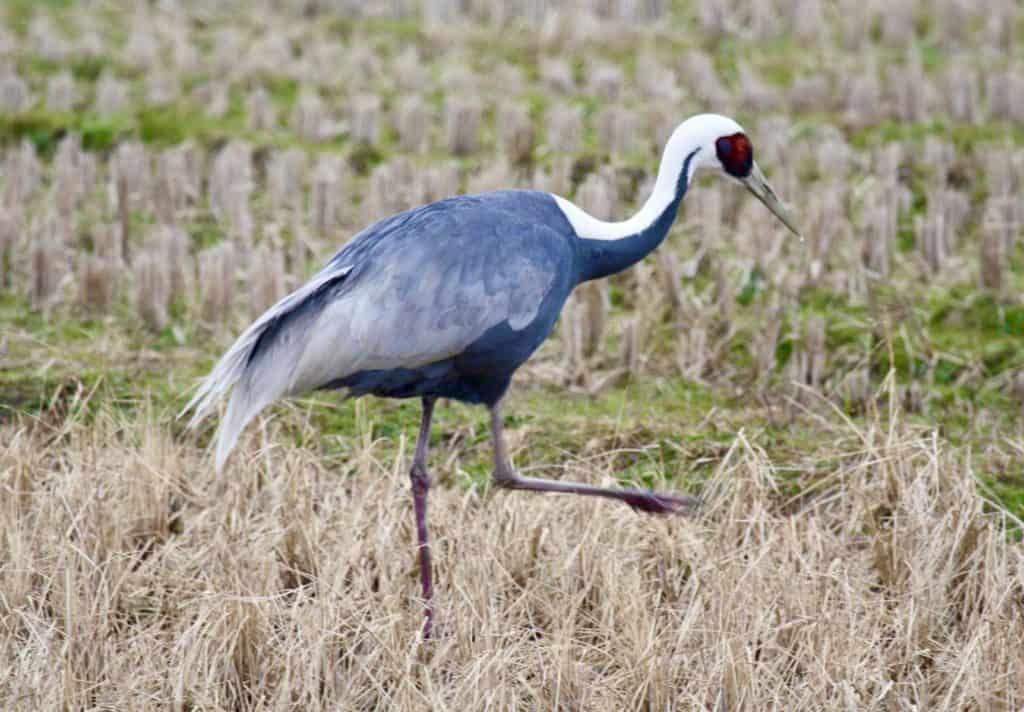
(400, 297)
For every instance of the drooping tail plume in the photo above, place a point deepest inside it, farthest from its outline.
(260, 366)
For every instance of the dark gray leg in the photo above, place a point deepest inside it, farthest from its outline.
(643, 500)
(420, 486)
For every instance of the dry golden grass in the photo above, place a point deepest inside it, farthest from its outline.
(132, 578)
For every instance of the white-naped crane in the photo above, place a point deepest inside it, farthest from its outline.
(448, 299)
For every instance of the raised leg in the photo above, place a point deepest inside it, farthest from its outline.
(420, 486)
(643, 500)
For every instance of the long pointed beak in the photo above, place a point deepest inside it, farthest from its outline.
(757, 185)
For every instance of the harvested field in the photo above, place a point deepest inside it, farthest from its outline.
(850, 408)
(135, 579)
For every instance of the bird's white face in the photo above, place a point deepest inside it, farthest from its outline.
(725, 147)
(702, 132)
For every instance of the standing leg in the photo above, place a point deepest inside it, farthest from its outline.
(644, 500)
(420, 486)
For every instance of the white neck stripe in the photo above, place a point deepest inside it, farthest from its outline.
(694, 137)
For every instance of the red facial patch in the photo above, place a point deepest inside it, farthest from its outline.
(736, 154)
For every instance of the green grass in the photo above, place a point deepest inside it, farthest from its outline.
(20, 12)
(660, 424)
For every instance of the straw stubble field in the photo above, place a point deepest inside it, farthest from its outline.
(849, 408)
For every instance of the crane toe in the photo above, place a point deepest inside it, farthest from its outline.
(659, 502)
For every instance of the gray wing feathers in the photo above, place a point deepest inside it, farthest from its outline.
(409, 302)
(406, 318)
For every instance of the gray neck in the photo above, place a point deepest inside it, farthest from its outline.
(602, 257)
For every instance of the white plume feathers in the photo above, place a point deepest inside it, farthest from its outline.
(239, 369)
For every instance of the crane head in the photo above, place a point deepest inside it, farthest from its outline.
(735, 157)
(719, 143)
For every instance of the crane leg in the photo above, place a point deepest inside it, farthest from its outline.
(639, 499)
(420, 486)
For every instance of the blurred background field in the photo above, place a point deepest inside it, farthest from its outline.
(170, 169)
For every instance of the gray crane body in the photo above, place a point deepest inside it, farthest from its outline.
(447, 300)
(444, 300)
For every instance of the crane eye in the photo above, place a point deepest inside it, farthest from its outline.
(736, 154)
